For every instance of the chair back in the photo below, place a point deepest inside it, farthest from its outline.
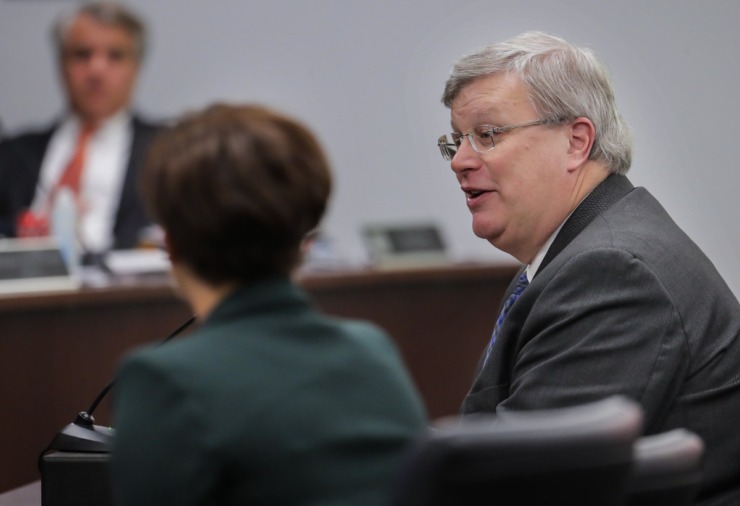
(576, 456)
(667, 469)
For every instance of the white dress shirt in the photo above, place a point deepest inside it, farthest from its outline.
(106, 160)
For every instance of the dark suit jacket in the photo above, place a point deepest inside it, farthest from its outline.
(625, 303)
(268, 402)
(20, 167)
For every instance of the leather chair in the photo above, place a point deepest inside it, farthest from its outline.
(666, 470)
(577, 456)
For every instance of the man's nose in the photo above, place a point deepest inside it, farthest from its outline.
(98, 62)
(466, 158)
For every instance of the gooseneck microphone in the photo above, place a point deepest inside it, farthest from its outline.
(83, 435)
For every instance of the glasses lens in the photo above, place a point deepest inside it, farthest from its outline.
(446, 147)
(482, 139)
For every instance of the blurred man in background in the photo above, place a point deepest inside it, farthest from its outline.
(96, 147)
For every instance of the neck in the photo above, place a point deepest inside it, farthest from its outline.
(588, 178)
(202, 296)
(92, 122)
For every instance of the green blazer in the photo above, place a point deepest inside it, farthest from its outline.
(268, 402)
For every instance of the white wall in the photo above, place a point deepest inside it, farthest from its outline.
(367, 76)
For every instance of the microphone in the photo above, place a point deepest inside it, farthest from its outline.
(83, 435)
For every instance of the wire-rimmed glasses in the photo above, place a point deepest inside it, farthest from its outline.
(481, 138)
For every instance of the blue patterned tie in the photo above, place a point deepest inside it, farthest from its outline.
(521, 284)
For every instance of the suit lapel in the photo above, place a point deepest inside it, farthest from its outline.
(491, 385)
(29, 154)
(30, 151)
(130, 215)
(128, 191)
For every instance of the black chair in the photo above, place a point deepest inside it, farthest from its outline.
(667, 469)
(575, 456)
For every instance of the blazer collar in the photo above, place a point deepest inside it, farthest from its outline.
(272, 295)
(610, 190)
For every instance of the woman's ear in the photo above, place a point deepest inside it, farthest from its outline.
(582, 136)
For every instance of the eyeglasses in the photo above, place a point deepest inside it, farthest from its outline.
(481, 138)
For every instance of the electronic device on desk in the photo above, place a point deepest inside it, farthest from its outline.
(404, 246)
(34, 265)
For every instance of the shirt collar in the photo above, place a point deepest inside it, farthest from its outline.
(540, 256)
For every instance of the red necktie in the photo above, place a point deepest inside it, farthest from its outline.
(33, 224)
(72, 175)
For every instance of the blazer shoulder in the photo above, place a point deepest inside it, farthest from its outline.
(21, 156)
(29, 139)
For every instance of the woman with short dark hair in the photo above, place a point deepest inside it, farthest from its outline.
(268, 401)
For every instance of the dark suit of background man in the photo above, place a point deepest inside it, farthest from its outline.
(620, 300)
(100, 47)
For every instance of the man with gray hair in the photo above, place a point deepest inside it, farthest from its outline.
(613, 297)
(96, 147)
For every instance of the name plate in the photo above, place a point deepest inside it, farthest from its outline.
(405, 246)
(33, 265)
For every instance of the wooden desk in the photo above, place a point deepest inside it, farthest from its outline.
(59, 350)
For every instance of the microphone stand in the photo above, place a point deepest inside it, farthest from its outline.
(83, 435)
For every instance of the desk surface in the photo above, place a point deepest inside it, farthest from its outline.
(60, 350)
(159, 287)
(116, 291)
(27, 495)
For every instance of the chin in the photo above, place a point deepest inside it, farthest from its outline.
(486, 230)
(98, 110)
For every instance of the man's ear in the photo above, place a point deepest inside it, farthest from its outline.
(582, 135)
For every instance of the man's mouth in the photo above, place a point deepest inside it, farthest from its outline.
(472, 195)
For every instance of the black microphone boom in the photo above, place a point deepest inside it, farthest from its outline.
(83, 435)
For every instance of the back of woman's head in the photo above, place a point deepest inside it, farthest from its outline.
(236, 189)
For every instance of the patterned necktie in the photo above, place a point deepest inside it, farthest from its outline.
(521, 284)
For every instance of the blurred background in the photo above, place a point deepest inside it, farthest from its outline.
(367, 76)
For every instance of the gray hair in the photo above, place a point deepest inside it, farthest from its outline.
(107, 13)
(565, 81)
